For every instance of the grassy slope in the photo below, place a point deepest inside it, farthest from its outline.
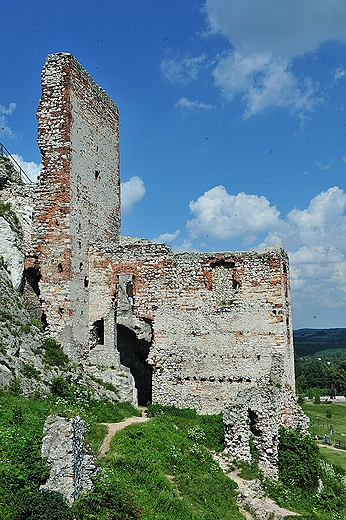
(21, 426)
(333, 456)
(317, 412)
(173, 473)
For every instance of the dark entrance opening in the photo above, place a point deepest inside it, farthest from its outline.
(133, 354)
(98, 331)
(31, 293)
(253, 422)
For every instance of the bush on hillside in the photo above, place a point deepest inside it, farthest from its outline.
(42, 505)
(298, 460)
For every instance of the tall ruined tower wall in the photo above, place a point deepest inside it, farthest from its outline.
(77, 208)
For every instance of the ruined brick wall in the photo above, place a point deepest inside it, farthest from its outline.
(217, 318)
(77, 208)
(258, 413)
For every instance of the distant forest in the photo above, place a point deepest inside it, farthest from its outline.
(308, 342)
(320, 361)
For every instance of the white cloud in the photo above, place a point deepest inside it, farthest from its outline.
(182, 69)
(165, 238)
(185, 246)
(324, 166)
(223, 216)
(30, 168)
(264, 81)
(281, 28)
(316, 255)
(265, 37)
(5, 128)
(192, 105)
(339, 73)
(132, 191)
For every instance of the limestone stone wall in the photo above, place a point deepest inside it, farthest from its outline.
(77, 207)
(218, 319)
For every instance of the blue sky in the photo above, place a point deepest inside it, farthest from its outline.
(233, 122)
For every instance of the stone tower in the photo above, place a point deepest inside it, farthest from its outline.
(77, 208)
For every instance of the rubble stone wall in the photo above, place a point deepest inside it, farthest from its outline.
(217, 319)
(257, 414)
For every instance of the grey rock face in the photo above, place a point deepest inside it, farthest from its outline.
(70, 467)
(14, 258)
(21, 199)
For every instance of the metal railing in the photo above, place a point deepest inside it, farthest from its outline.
(340, 444)
(22, 176)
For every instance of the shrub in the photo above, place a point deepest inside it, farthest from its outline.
(30, 372)
(300, 399)
(54, 354)
(42, 505)
(38, 324)
(298, 460)
(61, 387)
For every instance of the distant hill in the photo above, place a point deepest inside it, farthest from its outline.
(309, 341)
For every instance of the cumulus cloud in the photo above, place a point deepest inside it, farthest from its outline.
(30, 168)
(5, 128)
(223, 216)
(323, 222)
(265, 37)
(264, 81)
(182, 69)
(165, 238)
(192, 105)
(282, 28)
(132, 191)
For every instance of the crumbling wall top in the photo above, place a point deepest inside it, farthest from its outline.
(66, 57)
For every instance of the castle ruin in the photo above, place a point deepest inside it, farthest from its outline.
(194, 329)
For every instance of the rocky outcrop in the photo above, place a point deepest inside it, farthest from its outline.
(70, 466)
(12, 257)
(16, 204)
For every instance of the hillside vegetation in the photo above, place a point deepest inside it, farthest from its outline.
(308, 342)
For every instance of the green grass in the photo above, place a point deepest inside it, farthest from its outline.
(173, 474)
(22, 469)
(333, 456)
(317, 412)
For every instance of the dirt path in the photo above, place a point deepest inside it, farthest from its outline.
(251, 497)
(115, 427)
(330, 447)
